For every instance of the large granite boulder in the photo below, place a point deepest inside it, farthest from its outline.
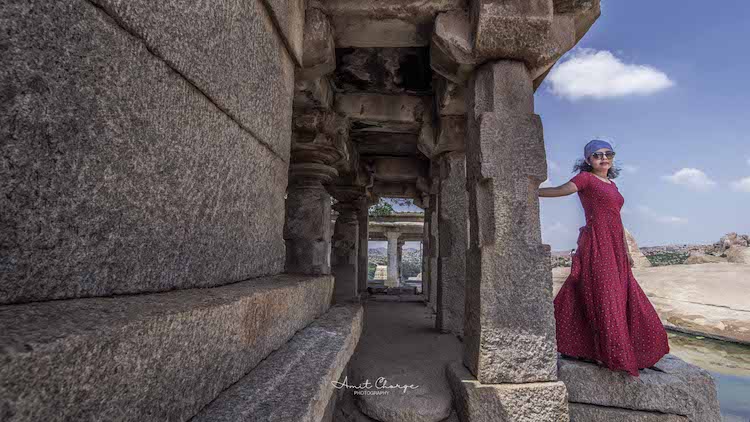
(698, 257)
(738, 254)
(639, 259)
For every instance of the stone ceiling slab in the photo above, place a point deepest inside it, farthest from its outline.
(383, 113)
(384, 70)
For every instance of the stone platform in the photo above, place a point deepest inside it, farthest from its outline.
(151, 357)
(297, 381)
(671, 391)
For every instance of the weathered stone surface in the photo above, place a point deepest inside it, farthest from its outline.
(383, 70)
(345, 242)
(452, 216)
(516, 29)
(434, 236)
(289, 17)
(385, 144)
(590, 413)
(698, 257)
(452, 54)
(319, 56)
(306, 368)
(383, 113)
(738, 254)
(229, 50)
(451, 135)
(639, 259)
(510, 328)
(315, 93)
(389, 23)
(673, 387)
(530, 402)
(449, 97)
(119, 175)
(399, 169)
(399, 344)
(307, 230)
(363, 220)
(153, 357)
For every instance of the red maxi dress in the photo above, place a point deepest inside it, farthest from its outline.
(601, 313)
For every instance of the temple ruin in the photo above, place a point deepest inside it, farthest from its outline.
(168, 176)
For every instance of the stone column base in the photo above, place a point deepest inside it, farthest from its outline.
(529, 402)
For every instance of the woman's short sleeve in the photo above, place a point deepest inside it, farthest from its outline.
(581, 180)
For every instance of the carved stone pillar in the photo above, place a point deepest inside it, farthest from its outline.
(319, 141)
(392, 280)
(509, 325)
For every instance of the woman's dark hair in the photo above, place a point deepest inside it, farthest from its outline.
(582, 165)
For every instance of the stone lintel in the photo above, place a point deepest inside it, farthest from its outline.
(395, 190)
(318, 55)
(398, 169)
(387, 23)
(675, 387)
(318, 352)
(528, 402)
(383, 113)
(160, 356)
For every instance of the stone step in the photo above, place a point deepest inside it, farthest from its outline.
(592, 413)
(297, 381)
(672, 387)
(150, 357)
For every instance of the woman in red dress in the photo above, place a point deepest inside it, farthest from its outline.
(601, 312)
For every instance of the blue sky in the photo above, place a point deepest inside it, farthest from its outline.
(684, 142)
(666, 83)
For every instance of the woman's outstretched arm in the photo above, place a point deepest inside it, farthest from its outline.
(561, 190)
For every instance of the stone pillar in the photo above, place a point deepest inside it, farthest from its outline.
(307, 231)
(509, 323)
(434, 246)
(345, 250)
(319, 140)
(364, 235)
(392, 280)
(452, 215)
(426, 251)
(400, 261)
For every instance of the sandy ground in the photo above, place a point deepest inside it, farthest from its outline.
(709, 299)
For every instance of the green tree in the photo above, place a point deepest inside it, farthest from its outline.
(381, 209)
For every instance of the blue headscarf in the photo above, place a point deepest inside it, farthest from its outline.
(594, 145)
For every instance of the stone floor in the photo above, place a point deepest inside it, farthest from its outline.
(707, 299)
(398, 343)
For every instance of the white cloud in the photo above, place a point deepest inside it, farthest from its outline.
(653, 215)
(599, 74)
(629, 169)
(742, 185)
(692, 178)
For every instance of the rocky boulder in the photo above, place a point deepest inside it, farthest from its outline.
(639, 259)
(738, 254)
(698, 257)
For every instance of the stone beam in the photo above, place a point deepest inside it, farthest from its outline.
(385, 143)
(383, 113)
(386, 23)
(396, 190)
(398, 169)
(535, 32)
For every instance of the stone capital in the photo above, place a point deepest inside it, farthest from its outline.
(320, 139)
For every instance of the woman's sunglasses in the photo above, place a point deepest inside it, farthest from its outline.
(601, 155)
